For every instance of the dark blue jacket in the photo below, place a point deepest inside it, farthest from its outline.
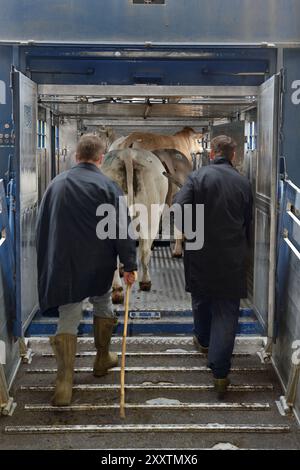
(73, 263)
(219, 269)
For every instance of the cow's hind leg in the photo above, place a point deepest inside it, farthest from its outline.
(121, 270)
(177, 252)
(145, 254)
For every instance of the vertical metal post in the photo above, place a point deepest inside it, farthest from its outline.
(53, 149)
(291, 391)
(273, 227)
(7, 404)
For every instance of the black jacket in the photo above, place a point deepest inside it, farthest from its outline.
(218, 270)
(73, 263)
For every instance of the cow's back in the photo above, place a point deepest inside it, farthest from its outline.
(149, 141)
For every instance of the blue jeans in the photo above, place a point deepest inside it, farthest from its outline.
(215, 326)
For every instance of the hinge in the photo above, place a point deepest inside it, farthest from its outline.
(283, 80)
(12, 78)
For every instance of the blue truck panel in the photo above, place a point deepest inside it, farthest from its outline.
(288, 282)
(291, 114)
(172, 65)
(6, 126)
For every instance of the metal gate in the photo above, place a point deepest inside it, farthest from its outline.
(265, 204)
(25, 118)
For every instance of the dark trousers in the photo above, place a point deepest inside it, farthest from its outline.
(215, 326)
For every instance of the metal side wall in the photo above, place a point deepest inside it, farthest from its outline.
(288, 284)
(25, 115)
(173, 21)
(266, 181)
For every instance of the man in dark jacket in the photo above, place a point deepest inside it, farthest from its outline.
(73, 263)
(216, 274)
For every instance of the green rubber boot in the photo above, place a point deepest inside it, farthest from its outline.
(64, 347)
(221, 386)
(103, 330)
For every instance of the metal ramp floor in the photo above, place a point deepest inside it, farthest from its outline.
(170, 401)
(165, 310)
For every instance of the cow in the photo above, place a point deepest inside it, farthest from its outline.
(140, 174)
(116, 144)
(186, 141)
(178, 168)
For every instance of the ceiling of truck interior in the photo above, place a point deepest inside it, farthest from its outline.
(189, 110)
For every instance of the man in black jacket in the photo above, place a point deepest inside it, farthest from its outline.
(216, 274)
(74, 263)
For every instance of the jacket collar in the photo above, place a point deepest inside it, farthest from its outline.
(222, 160)
(88, 166)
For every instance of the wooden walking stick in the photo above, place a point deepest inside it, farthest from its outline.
(126, 314)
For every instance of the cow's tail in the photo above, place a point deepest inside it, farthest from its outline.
(129, 168)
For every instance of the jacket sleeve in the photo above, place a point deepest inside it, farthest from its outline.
(186, 193)
(125, 244)
(183, 197)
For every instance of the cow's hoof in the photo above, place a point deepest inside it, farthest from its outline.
(117, 296)
(176, 255)
(145, 286)
(121, 271)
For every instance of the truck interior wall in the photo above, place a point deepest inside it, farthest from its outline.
(68, 138)
(44, 157)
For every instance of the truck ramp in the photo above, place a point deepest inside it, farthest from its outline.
(170, 401)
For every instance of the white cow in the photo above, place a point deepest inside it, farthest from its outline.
(117, 143)
(186, 141)
(140, 175)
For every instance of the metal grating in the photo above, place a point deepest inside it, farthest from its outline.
(168, 285)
